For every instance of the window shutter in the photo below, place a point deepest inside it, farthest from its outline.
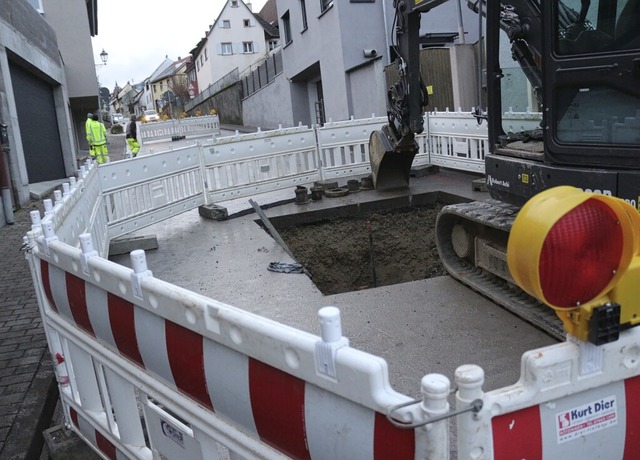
(219, 48)
(237, 48)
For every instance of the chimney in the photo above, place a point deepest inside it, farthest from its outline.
(250, 6)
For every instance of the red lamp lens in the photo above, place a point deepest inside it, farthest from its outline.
(580, 254)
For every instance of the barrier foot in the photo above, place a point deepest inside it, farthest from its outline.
(63, 443)
(213, 212)
(125, 245)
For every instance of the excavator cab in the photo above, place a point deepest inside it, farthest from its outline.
(581, 60)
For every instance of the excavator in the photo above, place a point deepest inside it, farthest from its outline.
(581, 59)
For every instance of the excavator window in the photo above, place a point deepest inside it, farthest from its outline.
(592, 26)
(597, 97)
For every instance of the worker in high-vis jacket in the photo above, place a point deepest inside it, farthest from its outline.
(97, 137)
(87, 130)
(132, 136)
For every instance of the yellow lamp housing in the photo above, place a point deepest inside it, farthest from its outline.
(579, 253)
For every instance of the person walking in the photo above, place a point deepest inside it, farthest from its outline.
(97, 137)
(132, 136)
(87, 129)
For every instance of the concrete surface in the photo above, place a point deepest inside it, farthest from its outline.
(418, 327)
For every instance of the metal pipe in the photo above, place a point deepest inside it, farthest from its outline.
(460, 24)
(5, 185)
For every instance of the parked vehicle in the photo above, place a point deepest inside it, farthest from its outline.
(117, 119)
(149, 116)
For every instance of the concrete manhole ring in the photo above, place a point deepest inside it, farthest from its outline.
(336, 192)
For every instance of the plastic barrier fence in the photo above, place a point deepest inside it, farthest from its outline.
(150, 370)
(187, 127)
(456, 140)
(144, 190)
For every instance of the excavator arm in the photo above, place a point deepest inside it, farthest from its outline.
(392, 149)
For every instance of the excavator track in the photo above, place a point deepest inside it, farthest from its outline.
(472, 243)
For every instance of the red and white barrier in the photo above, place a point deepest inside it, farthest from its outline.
(573, 400)
(150, 370)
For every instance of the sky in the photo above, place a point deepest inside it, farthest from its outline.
(138, 34)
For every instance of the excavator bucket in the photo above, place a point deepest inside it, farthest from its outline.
(390, 167)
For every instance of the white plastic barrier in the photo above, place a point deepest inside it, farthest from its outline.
(188, 127)
(456, 140)
(244, 165)
(144, 190)
(344, 146)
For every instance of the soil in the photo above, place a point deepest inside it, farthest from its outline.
(384, 248)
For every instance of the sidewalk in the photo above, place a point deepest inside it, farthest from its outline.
(28, 392)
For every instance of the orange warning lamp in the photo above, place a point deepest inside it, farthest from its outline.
(579, 253)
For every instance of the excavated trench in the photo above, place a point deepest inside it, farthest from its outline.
(353, 249)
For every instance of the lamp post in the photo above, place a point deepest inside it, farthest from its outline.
(103, 57)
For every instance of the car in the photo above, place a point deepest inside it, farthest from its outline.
(117, 119)
(150, 115)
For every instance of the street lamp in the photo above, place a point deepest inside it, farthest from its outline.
(103, 57)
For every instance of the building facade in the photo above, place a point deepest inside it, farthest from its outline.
(37, 106)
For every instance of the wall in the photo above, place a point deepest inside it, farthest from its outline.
(28, 40)
(367, 90)
(227, 104)
(70, 23)
(270, 106)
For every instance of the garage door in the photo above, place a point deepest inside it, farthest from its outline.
(38, 126)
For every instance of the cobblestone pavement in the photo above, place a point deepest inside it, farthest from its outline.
(27, 387)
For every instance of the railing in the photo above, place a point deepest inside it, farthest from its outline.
(182, 127)
(261, 73)
(150, 370)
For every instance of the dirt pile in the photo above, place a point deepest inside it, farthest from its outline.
(380, 249)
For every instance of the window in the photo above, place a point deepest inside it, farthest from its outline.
(303, 10)
(273, 44)
(234, 3)
(589, 107)
(226, 24)
(325, 4)
(206, 54)
(225, 48)
(286, 28)
(247, 23)
(37, 5)
(247, 47)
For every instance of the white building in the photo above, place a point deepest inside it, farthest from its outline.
(237, 39)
